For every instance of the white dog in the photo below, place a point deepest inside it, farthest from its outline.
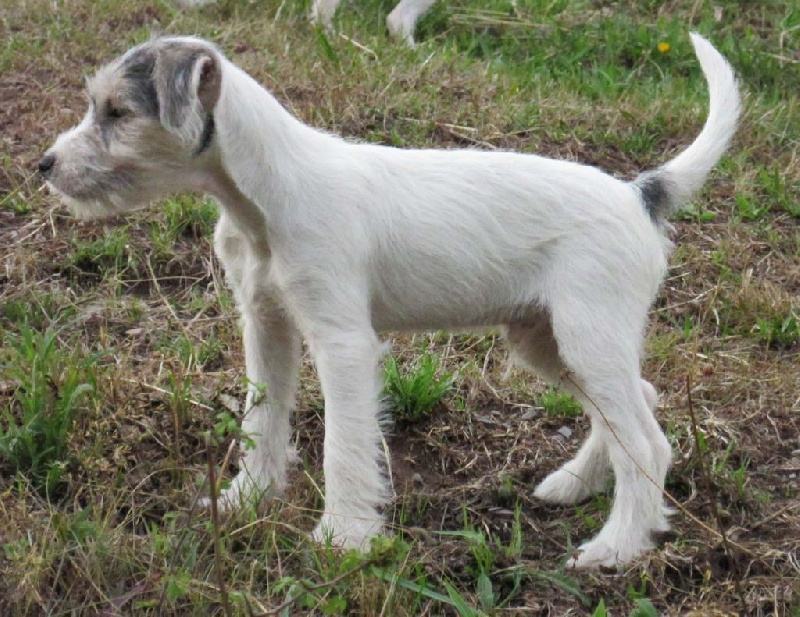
(401, 21)
(336, 241)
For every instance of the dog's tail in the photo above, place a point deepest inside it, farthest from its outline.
(669, 187)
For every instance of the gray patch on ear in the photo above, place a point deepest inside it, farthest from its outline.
(173, 81)
(138, 68)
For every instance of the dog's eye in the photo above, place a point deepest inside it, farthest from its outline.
(115, 112)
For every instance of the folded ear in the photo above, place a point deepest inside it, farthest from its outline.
(187, 80)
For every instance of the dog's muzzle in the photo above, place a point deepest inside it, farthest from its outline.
(46, 164)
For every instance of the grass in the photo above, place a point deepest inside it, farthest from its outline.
(414, 391)
(49, 387)
(559, 404)
(779, 331)
(121, 367)
(108, 253)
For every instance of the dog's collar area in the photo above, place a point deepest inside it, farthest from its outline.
(207, 136)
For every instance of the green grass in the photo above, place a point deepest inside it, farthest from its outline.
(559, 404)
(183, 217)
(415, 389)
(36, 310)
(780, 332)
(121, 353)
(49, 388)
(109, 253)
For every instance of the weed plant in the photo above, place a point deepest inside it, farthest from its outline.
(50, 389)
(414, 389)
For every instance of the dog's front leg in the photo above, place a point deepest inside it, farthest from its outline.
(272, 347)
(355, 490)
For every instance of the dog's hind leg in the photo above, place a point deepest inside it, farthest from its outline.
(403, 19)
(600, 347)
(534, 346)
(322, 12)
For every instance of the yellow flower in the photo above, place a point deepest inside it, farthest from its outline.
(664, 47)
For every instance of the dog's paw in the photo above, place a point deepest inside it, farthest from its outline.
(565, 487)
(348, 532)
(257, 481)
(401, 26)
(661, 523)
(246, 489)
(600, 553)
(322, 14)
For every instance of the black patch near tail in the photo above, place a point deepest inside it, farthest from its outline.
(655, 195)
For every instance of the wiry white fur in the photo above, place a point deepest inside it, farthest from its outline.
(336, 241)
(686, 173)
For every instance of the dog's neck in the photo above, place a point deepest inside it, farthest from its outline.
(262, 150)
(248, 218)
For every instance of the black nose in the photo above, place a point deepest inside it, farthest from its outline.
(46, 164)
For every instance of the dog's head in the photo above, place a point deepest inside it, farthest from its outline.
(148, 132)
